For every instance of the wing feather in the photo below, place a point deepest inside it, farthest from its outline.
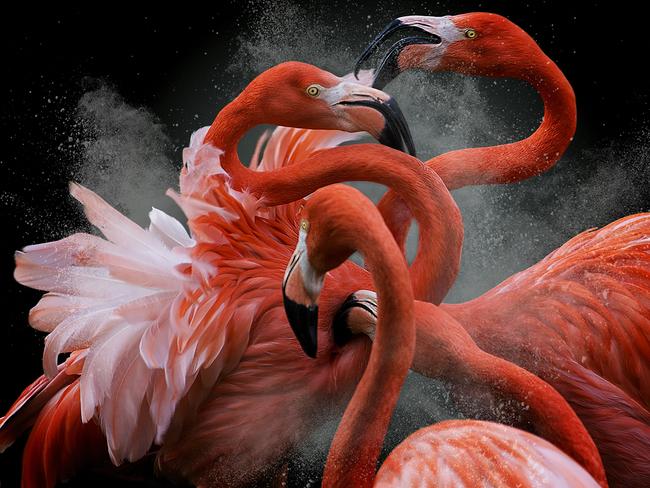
(161, 312)
(593, 293)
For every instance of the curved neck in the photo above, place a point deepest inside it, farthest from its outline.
(440, 242)
(353, 455)
(437, 262)
(531, 156)
(426, 198)
(505, 163)
(446, 351)
(227, 129)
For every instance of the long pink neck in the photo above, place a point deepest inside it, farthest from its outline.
(505, 163)
(227, 129)
(529, 157)
(426, 198)
(352, 459)
(446, 351)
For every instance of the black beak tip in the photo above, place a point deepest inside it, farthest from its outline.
(378, 83)
(410, 148)
(397, 134)
(340, 330)
(304, 323)
(388, 68)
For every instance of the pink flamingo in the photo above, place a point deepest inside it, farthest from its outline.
(338, 220)
(579, 318)
(481, 44)
(484, 44)
(176, 332)
(361, 103)
(291, 398)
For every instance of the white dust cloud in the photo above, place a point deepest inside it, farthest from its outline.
(124, 154)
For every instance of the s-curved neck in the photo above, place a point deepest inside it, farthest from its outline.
(447, 352)
(508, 163)
(352, 459)
(440, 242)
(426, 198)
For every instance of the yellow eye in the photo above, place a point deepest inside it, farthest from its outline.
(313, 90)
(304, 225)
(470, 33)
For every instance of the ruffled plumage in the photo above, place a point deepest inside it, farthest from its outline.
(160, 313)
(580, 320)
(591, 300)
(103, 295)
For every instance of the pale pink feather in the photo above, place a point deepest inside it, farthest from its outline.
(159, 309)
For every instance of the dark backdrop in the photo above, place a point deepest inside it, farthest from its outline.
(177, 64)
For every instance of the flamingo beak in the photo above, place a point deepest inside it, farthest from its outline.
(385, 121)
(300, 291)
(388, 68)
(357, 315)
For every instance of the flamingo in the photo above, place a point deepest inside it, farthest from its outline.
(579, 320)
(482, 44)
(335, 222)
(204, 452)
(589, 298)
(176, 332)
(363, 162)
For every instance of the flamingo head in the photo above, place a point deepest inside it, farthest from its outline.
(324, 243)
(297, 94)
(357, 315)
(477, 43)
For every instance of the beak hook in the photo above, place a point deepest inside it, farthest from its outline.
(388, 67)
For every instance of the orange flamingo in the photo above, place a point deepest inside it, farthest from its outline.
(432, 277)
(579, 320)
(180, 330)
(338, 220)
(484, 44)
(327, 95)
(205, 450)
(589, 298)
(481, 44)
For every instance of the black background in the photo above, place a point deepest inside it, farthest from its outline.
(151, 57)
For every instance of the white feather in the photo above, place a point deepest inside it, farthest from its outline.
(116, 227)
(169, 230)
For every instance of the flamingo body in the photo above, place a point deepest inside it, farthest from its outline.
(177, 321)
(580, 318)
(470, 453)
(338, 220)
(184, 329)
(587, 302)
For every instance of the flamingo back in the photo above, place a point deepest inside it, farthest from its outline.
(588, 302)
(470, 453)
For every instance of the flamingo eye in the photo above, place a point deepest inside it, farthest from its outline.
(470, 33)
(304, 225)
(313, 90)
